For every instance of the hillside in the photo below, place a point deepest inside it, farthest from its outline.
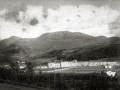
(6, 42)
(64, 45)
(48, 42)
(102, 52)
(110, 59)
(94, 53)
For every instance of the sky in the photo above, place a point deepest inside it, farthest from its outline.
(32, 18)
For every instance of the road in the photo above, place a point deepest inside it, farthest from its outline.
(16, 87)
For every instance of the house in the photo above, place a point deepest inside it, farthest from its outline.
(22, 66)
(111, 73)
(108, 66)
(54, 65)
(83, 63)
(7, 66)
(41, 67)
(65, 64)
(62, 64)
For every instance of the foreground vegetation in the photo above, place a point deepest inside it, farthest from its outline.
(58, 81)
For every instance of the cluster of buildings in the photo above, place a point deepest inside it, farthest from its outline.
(21, 66)
(111, 73)
(75, 63)
(5, 66)
(59, 65)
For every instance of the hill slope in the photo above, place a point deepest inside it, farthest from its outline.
(6, 42)
(58, 41)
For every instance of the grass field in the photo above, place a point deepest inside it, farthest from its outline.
(85, 69)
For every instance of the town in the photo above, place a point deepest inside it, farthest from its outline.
(58, 66)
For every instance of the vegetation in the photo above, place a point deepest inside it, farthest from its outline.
(63, 45)
(95, 53)
(58, 81)
(91, 52)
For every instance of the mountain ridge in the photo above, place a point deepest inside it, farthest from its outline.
(26, 47)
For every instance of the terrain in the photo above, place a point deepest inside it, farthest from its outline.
(62, 45)
(15, 87)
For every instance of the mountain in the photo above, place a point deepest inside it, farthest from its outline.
(65, 40)
(58, 40)
(94, 52)
(48, 42)
(86, 53)
(6, 42)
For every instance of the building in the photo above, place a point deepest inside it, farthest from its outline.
(111, 73)
(75, 63)
(63, 64)
(23, 68)
(54, 65)
(41, 67)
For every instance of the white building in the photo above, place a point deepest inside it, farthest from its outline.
(22, 66)
(62, 64)
(41, 67)
(54, 65)
(111, 73)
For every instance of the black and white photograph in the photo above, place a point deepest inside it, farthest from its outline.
(59, 44)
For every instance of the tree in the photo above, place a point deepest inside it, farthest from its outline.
(29, 67)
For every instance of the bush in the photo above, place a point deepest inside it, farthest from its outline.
(58, 81)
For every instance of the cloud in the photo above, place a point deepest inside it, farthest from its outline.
(34, 21)
(31, 21)
(12, 11)
(115, 27)
(85, 18)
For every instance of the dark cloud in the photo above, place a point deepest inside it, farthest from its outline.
(34, 22)
(24, 30)
(11, 15)
(115, 27)
(17, 7)
(45, 16)
(78, 15)
(68, 20)
(13, 10)
(18, 21)
(93, 11)
(115, 24)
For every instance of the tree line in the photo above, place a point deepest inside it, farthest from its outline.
(57, 81)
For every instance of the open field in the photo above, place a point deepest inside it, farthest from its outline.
(85, 69)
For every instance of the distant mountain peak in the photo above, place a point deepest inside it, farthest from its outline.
(64, 34)
(102, 36)
(14, 37)
(51, 41)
